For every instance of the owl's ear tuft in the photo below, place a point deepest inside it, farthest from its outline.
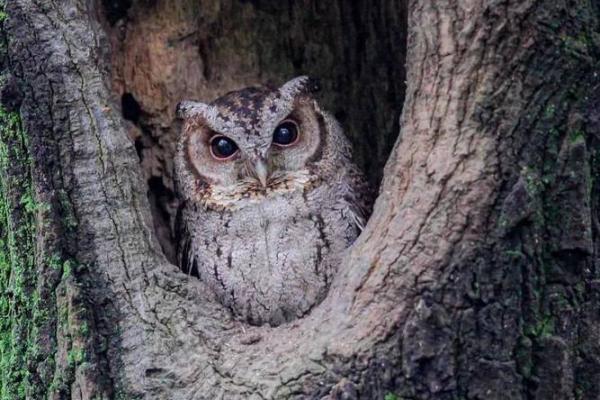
(188, 109)
(300, 85)
(183, 109)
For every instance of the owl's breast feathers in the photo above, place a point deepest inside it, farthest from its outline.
(218, 197)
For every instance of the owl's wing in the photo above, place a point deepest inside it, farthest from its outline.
(360, 197)
(185, 257)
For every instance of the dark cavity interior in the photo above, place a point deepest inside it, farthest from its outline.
(165, 51)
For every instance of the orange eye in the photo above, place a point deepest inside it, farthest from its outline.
(222, 148)
(286, 134)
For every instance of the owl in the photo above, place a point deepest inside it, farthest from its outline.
(271, 199)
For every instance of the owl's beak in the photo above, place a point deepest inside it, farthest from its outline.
(262, 171)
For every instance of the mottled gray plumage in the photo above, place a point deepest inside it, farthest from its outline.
(266, 229)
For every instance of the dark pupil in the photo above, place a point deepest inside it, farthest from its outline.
(223, 147)
(285, 133)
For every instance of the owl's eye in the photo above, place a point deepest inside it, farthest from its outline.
(285, 134)
(222, 147)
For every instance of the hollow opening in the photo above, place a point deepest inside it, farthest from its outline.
(131, 108)
(165, 51)
(115, 10)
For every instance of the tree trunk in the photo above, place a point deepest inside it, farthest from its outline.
(475, 278)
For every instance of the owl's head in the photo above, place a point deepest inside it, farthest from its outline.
(254, 143)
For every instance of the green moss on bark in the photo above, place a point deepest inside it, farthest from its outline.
(20, 313)
(27, 324)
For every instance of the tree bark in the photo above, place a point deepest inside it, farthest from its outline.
(476, 276)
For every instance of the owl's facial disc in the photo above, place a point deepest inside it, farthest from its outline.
(257, 140)
(296, 138)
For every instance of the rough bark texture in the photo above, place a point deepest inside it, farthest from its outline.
(475, 278)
